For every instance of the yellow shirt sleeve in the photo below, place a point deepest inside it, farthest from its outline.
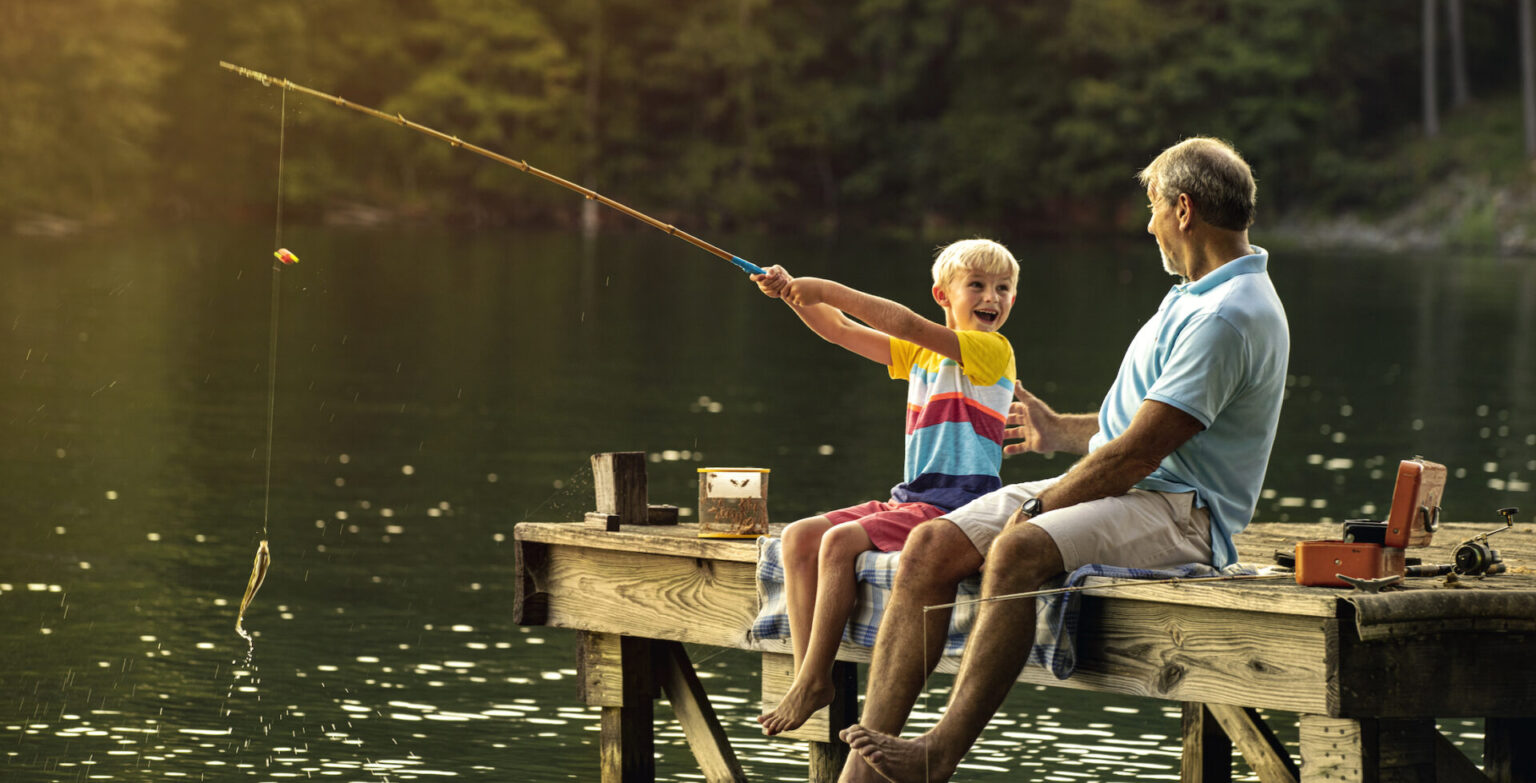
(987, 357)
(903, 354)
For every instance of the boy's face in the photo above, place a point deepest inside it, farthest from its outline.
(976, 301)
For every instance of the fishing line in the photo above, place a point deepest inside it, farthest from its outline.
(520, 165)
(277, 272)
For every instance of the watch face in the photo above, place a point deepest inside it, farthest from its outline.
(1032, 507)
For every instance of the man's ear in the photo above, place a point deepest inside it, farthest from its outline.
(1184, 211)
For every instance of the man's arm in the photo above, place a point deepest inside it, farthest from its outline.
(884, 315)
(1155, 432)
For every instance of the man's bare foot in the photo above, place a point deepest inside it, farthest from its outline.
(806, 696)
(898, 760)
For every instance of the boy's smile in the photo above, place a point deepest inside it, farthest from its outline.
(977, 301)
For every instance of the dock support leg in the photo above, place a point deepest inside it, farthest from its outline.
(1264, 752)
(1207, 749)
(617, 674)
(706, 738)
(1508, 753)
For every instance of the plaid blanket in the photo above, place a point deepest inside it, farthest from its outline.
(1056, 616)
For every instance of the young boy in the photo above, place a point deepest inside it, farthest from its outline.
(960, 377)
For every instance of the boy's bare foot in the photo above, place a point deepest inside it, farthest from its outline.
(898, 760)
(806, 696)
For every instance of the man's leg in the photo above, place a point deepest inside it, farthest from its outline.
(1020, 560)
(937, 557)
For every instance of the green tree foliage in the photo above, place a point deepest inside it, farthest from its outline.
(792, 113)
(81, 103)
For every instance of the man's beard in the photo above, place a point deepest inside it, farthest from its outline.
(1168, 263)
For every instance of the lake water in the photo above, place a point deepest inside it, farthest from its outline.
(434, 389)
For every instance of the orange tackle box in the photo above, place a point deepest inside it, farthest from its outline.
(1414, 517)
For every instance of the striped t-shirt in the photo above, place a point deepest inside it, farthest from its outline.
(955, 418)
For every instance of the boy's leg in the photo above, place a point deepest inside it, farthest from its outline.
(836, 589)
(801, 550)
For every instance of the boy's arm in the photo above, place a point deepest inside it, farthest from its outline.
(893, 319)
(828, 322)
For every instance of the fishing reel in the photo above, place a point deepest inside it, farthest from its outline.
(1475, 557)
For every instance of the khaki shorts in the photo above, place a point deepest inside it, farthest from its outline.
(1140, 529)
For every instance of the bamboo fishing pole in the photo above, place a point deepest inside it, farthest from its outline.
(1178, 580)
(521, 165)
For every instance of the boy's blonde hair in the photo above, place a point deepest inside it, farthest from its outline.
(979, 255)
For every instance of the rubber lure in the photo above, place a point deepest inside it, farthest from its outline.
(258, 575)
(286, 256)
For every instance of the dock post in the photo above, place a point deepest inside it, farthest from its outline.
(618, 481)
(617, 674)
(1207, 749)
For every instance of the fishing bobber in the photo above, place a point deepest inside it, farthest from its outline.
(286, 256)
(619, 484)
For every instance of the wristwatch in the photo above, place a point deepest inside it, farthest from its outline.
(1032, 508)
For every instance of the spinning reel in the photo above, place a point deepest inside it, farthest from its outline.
(1474, 557)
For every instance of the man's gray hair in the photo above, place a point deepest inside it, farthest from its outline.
(1213, 174)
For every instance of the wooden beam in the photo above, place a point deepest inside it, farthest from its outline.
(706, 738)
(1207, 749)
(1509, 755)
(1263, 751)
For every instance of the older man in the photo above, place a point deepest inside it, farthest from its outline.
(1175, 461)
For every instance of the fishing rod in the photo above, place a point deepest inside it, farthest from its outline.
(1111, 585)
(521, 165)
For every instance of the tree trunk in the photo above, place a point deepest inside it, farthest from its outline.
(1431, 110)
(1460, 93)
(1528, 78)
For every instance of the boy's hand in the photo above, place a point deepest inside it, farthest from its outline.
(773, 281)
(805, 291)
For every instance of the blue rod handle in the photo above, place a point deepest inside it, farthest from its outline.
(747, 266)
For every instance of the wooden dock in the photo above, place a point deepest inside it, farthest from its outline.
(1367, 673)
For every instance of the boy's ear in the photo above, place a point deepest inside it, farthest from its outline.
(941, 296)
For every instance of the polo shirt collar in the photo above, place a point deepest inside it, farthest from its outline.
(1254, 263)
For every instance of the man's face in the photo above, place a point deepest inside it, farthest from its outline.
(1160, 226)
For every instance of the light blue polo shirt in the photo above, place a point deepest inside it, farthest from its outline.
(1217, 349)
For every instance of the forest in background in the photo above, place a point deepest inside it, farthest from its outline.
(743, 114)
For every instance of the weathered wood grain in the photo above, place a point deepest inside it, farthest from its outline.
(656, 596)
(681, 540)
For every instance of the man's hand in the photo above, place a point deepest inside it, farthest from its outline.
(1030, 423)
(773, 281)
(1041, 430)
